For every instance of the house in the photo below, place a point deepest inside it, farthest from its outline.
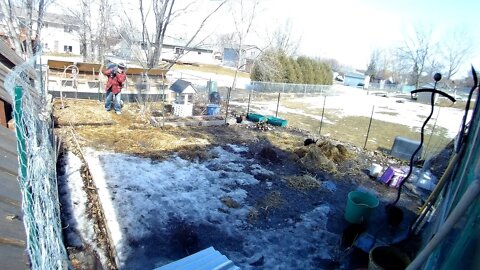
(172, 49)
(59, 32)
(354, 79)
(249, 54)
(184, 91)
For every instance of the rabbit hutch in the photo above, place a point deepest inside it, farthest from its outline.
(184, 93)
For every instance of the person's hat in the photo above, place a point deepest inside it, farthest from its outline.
(122, 66)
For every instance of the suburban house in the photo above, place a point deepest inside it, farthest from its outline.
(172, 49)
(249, 54)
(59, 33)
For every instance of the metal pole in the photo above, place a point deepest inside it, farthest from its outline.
(249, 99)
(369, 125)
(163, 102)
(278, 103)
(431, 134)
(18, 116)
(228, 103)
(321, 119)
(304, 90)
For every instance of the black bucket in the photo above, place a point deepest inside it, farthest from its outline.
(387, 258)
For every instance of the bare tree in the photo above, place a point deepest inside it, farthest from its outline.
(164, 13)
(415, 51)
(243, 17)
(13, 28)
(455, 49)
(20, 26)
(83, 15)
(283, 41)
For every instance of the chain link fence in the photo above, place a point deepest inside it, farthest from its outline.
(347, 114)
(37, 168)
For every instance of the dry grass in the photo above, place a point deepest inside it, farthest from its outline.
(229, 202)
(264, 206)
(302, 182)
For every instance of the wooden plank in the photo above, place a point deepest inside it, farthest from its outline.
(11, 222)
(88, 67)
(9, 188)
(56, 64)
(3, 115)
(8, 162)
(13, 258)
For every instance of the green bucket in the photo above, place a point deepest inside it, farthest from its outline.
(360, 206)
(386, 258)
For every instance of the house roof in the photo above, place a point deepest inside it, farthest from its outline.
(355, 75)
(180, 85)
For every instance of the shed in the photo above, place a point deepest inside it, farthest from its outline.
(184, 92)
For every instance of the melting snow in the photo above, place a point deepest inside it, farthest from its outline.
(142, 197)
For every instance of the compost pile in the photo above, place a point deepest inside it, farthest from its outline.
(324, 156)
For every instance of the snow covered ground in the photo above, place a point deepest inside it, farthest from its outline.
(357, 103)
(161, 211)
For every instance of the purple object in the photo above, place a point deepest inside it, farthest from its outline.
(393, 176)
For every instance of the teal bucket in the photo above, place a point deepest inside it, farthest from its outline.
(360, 206)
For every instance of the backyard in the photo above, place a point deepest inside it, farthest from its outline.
(260, 197)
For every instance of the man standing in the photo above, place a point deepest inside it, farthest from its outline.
(116, 77)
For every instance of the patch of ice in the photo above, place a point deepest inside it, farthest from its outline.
(329, 185)
(137, 192)
(258, 169)
(238, 149)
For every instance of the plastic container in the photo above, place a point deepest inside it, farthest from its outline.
(360, 206)
(213, 109)
(255, 117)
(375, 170)
(276, 121)
(386, 257)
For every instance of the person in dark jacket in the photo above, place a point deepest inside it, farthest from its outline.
(116, 77)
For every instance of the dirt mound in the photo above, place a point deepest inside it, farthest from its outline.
(336, 153)
(325, 156)
(312, 159)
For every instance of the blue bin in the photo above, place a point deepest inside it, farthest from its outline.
(213, 109)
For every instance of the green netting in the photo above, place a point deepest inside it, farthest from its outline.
(37, 168)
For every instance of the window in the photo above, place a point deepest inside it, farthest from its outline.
(179, 50)
(67, 49)
(45, 25)
(144, 46)
(199, 52)
(67, 29)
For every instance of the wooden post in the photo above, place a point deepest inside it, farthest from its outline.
(228, 103)
(278, 104)
(321, 119)
(249, 99)
(369, 125)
